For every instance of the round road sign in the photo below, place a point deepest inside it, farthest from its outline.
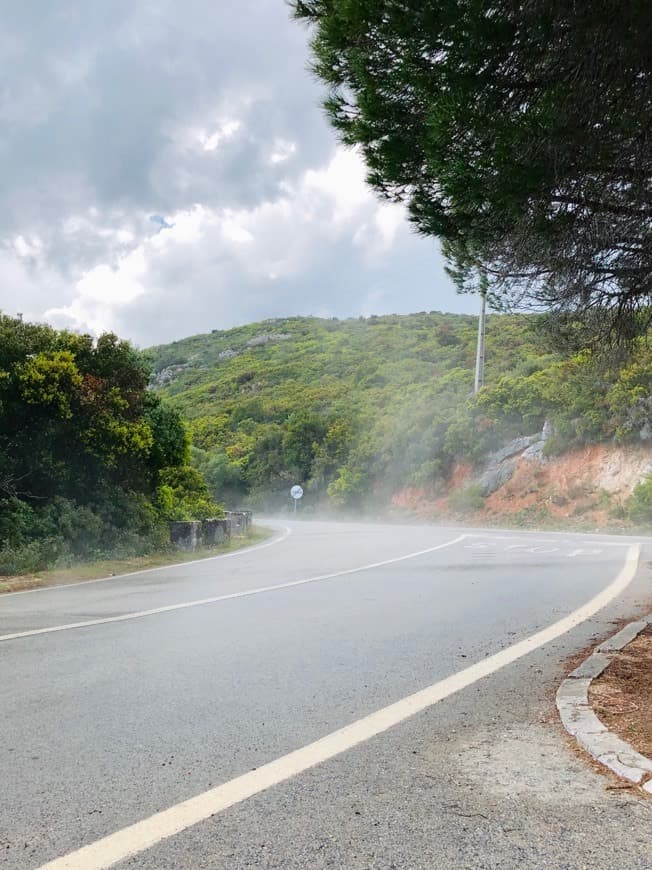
(296, 492)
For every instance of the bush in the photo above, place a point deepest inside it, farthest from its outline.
(468, 499)
(183, 495)
(32, 556)
(61, 532)
(639, 504)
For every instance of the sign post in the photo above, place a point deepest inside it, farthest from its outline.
(296, 492)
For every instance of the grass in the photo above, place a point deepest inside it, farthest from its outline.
(116, 567)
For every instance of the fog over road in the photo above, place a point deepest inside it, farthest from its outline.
(123, 698)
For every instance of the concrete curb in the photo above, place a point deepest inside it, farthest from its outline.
(578, 718)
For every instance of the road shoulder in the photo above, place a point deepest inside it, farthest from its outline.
(106, 569)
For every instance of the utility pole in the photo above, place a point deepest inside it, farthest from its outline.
(479, 359)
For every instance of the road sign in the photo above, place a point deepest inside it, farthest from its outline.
(296, 492)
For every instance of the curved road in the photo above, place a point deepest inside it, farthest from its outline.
(347, 695)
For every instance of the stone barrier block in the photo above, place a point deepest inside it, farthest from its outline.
(186, 535)
(215, 532)
(238, 522)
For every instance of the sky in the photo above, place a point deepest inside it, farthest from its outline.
(167, 169)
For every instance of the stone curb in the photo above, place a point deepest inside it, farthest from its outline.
(578, 718)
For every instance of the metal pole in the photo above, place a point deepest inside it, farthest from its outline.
(479, 360)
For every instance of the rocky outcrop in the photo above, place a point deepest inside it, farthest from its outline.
(502, 463)
(496, 476)
(267, 337)
(535, 452)
(167, 375)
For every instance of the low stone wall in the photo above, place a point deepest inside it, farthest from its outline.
(215, 532)
(191, 534)
(240, 522)
(186, 535)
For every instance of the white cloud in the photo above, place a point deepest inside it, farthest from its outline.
(226, 130)
(188, 112)
(100, 293)
(283, 150)
(27, 248)
(342, 182)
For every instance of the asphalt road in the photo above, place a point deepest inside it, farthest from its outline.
(123, 698)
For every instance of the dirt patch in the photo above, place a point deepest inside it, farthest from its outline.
(585, 489)
(566, 488)
(622, 695)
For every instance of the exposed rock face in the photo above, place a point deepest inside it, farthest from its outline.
(590, 484)
(620, 470)
(515, 447)
(167, 375)
(535, 451)
(501, 464)
(496, 476)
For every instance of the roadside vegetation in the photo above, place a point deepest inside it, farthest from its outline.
(92, 463)
(357, 409)
(114, 567)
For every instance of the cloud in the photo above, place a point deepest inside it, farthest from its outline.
(203, 114)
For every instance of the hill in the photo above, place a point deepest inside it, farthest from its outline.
(360, 410)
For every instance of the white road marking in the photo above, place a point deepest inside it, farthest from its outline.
(125, 617)
(143, 835)
(584, 552)
(544, 549)
(562, 538)
(287, 531)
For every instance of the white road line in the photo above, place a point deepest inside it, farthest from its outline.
(584, 552)
(125, 617)
(287, 531)
(143, 835)
(563, 537)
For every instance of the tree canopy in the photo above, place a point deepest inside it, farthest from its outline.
(91, 461)
(518, 133)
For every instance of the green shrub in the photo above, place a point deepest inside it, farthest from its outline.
(182, 494)
(467, 499)
(639, 504)
(31, 556)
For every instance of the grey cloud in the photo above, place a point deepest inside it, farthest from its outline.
(97, 91)
(215, 293)
(100, 112)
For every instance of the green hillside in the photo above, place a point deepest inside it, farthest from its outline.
(356, 409)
